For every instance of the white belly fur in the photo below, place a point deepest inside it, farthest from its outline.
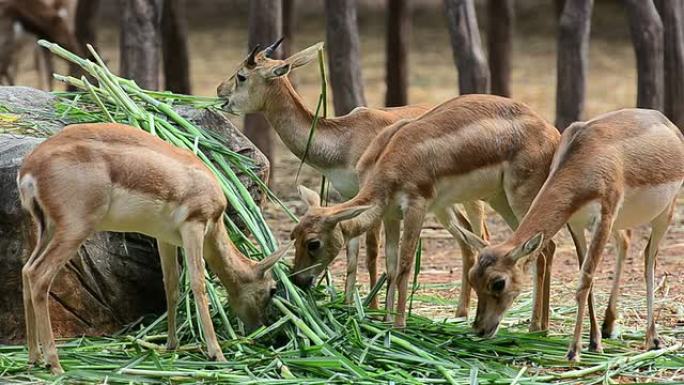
(640, 206)
(475, 185)
(345, 181)
(140, 213)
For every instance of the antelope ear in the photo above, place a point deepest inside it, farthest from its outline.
(304, 56)
(277, 71)
(528, 248)
(346, 214)
(308, 196)
(267, 263)
(471, 239)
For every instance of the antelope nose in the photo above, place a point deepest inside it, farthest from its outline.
(304, 282)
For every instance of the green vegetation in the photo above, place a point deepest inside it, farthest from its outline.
(316, 338)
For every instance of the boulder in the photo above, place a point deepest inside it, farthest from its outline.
(116, 278)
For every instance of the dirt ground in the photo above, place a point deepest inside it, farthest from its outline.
(217, 44)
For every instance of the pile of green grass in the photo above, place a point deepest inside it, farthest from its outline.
(316, 338)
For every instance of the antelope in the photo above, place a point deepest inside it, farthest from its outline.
(260, 84)
(617, 171)
(48, 19)
(473, 147)
(112, 177)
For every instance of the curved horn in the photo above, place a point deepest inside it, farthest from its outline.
(273, 47)
(250, 58)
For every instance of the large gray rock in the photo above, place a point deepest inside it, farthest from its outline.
(115, 279)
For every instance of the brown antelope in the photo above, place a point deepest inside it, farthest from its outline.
(111, 177)
(46, 19)
(473, 147)
(617, 171)
(260, 84)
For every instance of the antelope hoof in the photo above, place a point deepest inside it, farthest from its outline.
(595, 346)
(462, 312)
(573, 355)
(536, 327)
(654, 343)
(387, 318)
(218, 357)
(171, 345)
(608, 331)
(55, 369)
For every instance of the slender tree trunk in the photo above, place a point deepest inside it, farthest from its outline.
(573, 59)
(396, 66)
(473, 72)
(558, 6)
(85, 21)
(85, 29)
(647, 36)
(289, 19)
(672, 14)
(344, 62)
(499, 42)
(140, 41)
(265, 27)
(174, 28)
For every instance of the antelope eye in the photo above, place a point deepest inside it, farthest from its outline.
(313, 245)
(272, 292)
(498, 285)
(240, 78)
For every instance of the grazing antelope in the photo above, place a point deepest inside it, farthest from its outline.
(617, 171)
(47, 19)
(111, 177)
(473, 147)
(261, 84)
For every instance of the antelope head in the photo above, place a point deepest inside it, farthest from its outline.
(497, 277)
(251, 302)
(247, 90)
(318, 237)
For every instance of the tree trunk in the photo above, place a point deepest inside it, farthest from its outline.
(473, 72)
(265, 27)
(140, 41)
(85, 21)
(647, 36)
(396, 66)
(289, 19)
(344, 62)
(174, 29)
(499, 43)
(672, 14)
(573, 59)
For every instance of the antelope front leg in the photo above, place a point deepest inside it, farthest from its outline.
(169, 263)
(372, 246)
(352, 267)
(622, 239)
(544, 265)
(658, 229)
(392, 233)
(193, 239)
(593, 258)
(448, 219)
(413, 223)
(580, 242)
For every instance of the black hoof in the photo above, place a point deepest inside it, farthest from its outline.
(571, 355)
(607, 331)
(656, 344)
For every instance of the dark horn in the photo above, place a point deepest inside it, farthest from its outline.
(273, 47)
(250, 58)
